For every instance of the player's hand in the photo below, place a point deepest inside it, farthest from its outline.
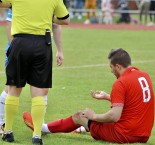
(100, 95)
(89, 114)
(60, 58)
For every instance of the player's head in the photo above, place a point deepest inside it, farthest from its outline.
(119, 60)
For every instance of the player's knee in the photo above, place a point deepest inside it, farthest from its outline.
(76, 117)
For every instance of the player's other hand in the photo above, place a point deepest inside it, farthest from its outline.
(60, 58)
(100, 95)
(89, 114)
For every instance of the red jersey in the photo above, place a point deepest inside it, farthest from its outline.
(133, 90)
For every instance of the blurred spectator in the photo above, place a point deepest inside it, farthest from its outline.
(152, 10)
(90, 5)
(107, 11)
(144, 9)
(67, 3)
(79, 4)
(98, 4)
(124, 11)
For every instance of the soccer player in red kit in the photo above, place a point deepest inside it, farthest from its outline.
(131, 116)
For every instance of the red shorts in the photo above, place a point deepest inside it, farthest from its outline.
(107, 132)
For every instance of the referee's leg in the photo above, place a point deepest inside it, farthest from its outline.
(38, 109)
(11, 109)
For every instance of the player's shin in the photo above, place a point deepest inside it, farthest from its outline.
(2, 103)
(62, 125)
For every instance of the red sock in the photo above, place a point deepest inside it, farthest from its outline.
(62, 125)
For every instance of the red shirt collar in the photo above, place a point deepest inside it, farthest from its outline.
(128, 70)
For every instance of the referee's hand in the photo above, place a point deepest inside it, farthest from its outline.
(60, 58)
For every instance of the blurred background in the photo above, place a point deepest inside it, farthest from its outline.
(108, 11)
(85, 65)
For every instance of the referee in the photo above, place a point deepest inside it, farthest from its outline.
(30, 58)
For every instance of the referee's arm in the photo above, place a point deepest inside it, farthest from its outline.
(5, 4)
(61, 21)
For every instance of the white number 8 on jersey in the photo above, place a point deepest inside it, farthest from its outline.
(145, 88)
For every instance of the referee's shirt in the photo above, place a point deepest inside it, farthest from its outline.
(35, 16)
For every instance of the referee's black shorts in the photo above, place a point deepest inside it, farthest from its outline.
(30, 61)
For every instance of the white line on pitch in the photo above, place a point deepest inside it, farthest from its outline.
(94, 65)
(99, 65)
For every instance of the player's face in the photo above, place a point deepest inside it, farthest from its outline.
(115, 70)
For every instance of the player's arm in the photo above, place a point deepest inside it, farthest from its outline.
(57, 35)
(113, 115)
(5, 4)
(117, 100)
(8, 29)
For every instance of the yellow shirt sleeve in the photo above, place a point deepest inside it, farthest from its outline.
(60, 10)
(10, 1)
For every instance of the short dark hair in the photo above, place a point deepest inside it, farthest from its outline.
(119, 56)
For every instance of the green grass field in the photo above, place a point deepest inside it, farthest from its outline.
(85, 68)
